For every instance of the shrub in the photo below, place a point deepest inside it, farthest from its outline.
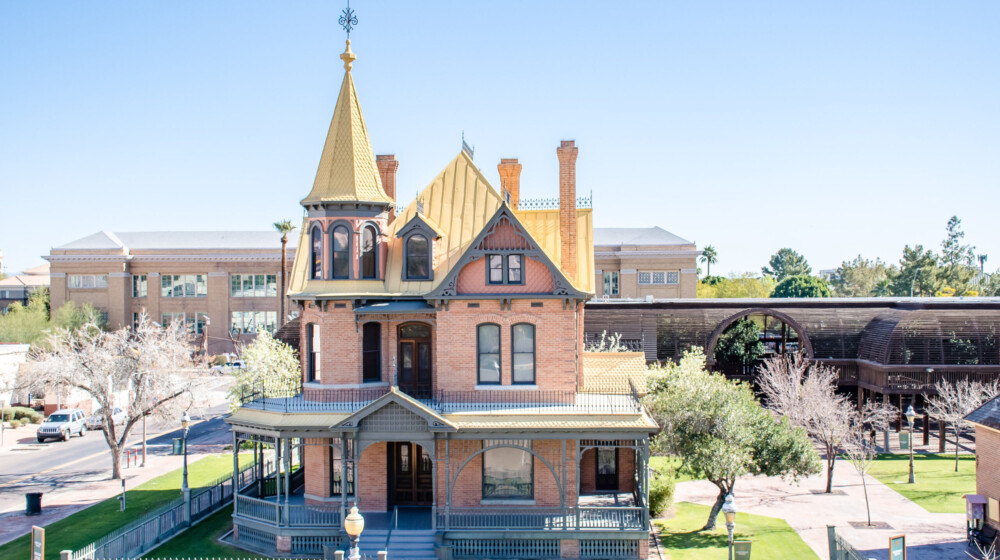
(15, 424)
(20, 413)
(661, 494)
(37, 419)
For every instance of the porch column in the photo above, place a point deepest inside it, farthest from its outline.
(434, 484)
(562, 498)
(447, 485)
(236, 469)
(277, 480)
(343, 477)
(288, 469)
(579, 454)
(645, 483)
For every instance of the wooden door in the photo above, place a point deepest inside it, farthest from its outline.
(410, 471)
(607, 468)
(415, 364)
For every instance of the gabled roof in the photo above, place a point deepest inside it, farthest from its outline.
(987, 415)
(637, 236)
(422, 223)
(435, 422)
(347, 170)
(458, 202)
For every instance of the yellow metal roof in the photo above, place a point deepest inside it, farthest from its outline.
(279, 420)
(610, 372)
(347, 170)
(543, 225)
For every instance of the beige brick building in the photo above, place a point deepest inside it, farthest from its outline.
(986, 420)
(639, 263)
(219, 284)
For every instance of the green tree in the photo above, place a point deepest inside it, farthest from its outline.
(801, 286)
(272, 370)
(284, 227)
(861, 277)
(785, 263)
(709, 257)
(917, 273)
(744, 285)
(957, 262)
(720, 431)
(740, 344)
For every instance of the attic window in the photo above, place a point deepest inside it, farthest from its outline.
(418, 258)
(504, 269)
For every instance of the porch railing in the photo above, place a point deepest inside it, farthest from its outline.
(543, 519)
(281, 515)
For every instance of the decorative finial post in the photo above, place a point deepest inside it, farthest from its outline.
(348, 20)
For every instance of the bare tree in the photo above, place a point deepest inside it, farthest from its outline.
(806, 394)
(955, 401)
(138, 365)
(860, 447)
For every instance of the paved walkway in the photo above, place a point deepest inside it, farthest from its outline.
(929, 536)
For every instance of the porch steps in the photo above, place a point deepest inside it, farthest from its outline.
(404, 544)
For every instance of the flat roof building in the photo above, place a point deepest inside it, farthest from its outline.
(641, 263)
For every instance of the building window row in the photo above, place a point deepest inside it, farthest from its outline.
(488, 361)
(249, 322)
(659, 277)
(183, 285)
(340, 253)
(87, 281)
(253, 285)
(505, 269)
(611, 283)
(193, 322)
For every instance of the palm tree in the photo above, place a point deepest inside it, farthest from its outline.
(284, 227)
(709, 257)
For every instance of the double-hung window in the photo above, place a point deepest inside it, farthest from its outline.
(371, 349)
(183, 285)
(508, 474)
(611, 283)
(523, 353)
(341, 253)
(488, 360)
(418, 258)
(139, 285)
(505, 269)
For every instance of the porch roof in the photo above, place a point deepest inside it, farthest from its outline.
(286, 421)
(562, 422)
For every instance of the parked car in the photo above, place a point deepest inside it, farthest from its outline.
(62, 424)
(96, 420)
(229, 367)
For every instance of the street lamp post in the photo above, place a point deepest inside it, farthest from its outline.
(354, 523)
(910, 415)
(729, 509)
(185, 490)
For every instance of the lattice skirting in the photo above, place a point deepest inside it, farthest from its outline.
(489, 549)
(256, 539)
(314, 545)
(608, 548)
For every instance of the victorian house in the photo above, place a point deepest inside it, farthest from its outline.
(445, 385)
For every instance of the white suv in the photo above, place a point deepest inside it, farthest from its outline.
(62, 424)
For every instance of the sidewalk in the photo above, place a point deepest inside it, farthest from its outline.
(61, 503)
(929, 536)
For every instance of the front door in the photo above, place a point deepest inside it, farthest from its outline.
(410, 473)
(607, 468)
(415, 360)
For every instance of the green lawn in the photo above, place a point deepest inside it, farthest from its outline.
(938, 488)
(203, 538)
(86, 526)
(772, 537)
(666, 464)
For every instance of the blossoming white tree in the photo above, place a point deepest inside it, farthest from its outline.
(272, 370)
(139, 365)
(955, 401)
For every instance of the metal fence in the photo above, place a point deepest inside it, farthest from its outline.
(840, 549)
(150, 530)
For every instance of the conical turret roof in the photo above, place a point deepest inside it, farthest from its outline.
(347, 171)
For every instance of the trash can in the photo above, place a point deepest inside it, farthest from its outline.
(33, 503)
(178, 446)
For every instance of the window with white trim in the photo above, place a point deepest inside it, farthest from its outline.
(87, 281)
(183, 285)
(139, 285)
(659, 277)
(193, 322)
(253, 285)
(249, 322)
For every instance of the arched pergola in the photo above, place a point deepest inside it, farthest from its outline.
(800, 331)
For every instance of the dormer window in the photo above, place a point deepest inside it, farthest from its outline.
(418, 258)
(505, 269)
(369, 253)
(340, 268)
(316, 255)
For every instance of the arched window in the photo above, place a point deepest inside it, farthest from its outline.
(371, 349)
(369, 253)
(522, 348)
(340, 268)
(316, 256)
(312, 352)
(488, 348)
(508, 473)
(418, 258)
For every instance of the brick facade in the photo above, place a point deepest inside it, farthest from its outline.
(987, 471)
(372, 477)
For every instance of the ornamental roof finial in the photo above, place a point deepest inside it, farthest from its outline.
(348, 57)
(348, 20)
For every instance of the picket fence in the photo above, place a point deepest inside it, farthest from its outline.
(150, 530)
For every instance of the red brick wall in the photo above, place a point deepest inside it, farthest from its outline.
(988, 467)
(537, 279)
(588, 471)
(468, 489)
(372, 476)
(316, 458)
(626, 470)
(567, 152)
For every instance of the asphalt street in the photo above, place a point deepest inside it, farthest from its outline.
(43, 467)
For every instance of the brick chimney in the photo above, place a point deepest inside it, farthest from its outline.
(387, 166)
(510, 179)
(567, 206)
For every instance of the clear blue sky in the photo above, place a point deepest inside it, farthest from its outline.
(835, 128)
